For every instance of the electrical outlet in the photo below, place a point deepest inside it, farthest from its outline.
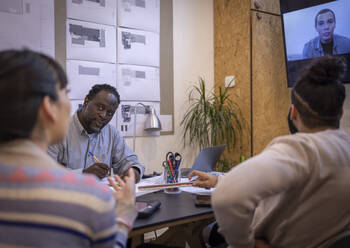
(230, 81)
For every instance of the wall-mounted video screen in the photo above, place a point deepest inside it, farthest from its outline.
(314, 28)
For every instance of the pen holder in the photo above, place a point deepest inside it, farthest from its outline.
(170, 178)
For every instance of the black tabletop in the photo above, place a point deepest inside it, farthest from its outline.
(173, 207)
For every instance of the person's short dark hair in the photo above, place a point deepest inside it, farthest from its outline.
(319, 94)
(106, 87)
(322, 11)
(26, 77)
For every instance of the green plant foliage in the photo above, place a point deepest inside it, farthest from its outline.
(211, 119)
(225, 164)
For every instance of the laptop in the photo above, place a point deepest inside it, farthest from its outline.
(206, 160)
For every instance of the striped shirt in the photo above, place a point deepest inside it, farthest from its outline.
(44, 205)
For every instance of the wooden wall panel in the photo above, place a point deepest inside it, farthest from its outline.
(271, 6)
(252, 50)
(232, 57)
(269, 86)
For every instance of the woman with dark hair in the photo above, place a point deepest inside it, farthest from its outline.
(295, 192)
(41, 203)
(319, 95)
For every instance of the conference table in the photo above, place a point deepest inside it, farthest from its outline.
(177, 212)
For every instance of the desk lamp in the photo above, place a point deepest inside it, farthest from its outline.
(151, 124)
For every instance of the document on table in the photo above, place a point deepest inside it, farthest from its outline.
(196, 190)
(148, 181)
(158, 180)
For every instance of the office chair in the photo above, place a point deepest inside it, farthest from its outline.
(341, 240)
(214, 239)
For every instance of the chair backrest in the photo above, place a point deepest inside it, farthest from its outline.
(343, 242)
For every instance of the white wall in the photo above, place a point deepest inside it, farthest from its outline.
(193, 29)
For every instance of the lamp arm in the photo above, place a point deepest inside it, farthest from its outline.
(154, 125)
(147, 108)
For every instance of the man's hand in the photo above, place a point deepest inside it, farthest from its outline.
(124, 189)
(136, 173)
(259, 243)
(98, 169)
(204, 180)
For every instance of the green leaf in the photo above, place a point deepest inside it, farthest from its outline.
(211, 119)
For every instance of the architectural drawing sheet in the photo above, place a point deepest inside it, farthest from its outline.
(139, 14)
(125, 118)
(90, 41)
(82, 75)
(138, 83)
(98, 11)
(76, 104)
(138, 47)
(27, 23)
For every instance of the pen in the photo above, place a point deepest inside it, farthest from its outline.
(171, 168)
(172, 171)
(167, 170)
(96, 159)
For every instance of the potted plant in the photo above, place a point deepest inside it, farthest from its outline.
(212, 119)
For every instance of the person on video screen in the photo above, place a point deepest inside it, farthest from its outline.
(326, 43)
